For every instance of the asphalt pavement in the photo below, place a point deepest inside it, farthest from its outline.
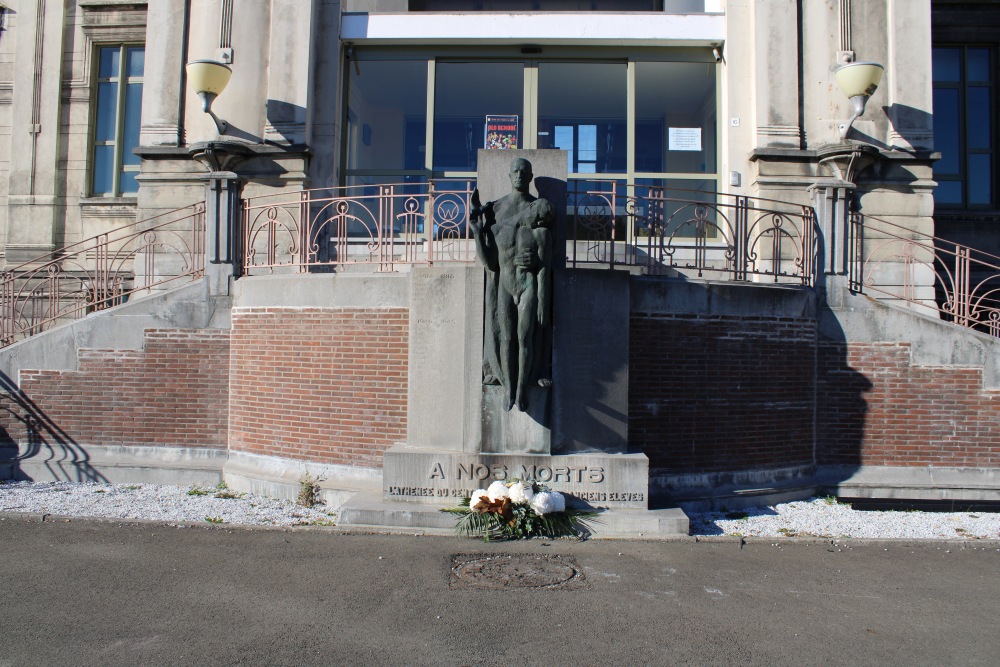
(87, 592)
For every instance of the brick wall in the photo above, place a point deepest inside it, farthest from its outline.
(877, 408)
(173, 392)
(326, 385)
(721, 393)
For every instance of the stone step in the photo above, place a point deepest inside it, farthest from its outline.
(371, 511)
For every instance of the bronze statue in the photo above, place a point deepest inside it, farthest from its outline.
(513, 238)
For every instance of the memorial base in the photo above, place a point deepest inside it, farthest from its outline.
(372, 512)
(441, 477)
(419, 482)
(514, 431)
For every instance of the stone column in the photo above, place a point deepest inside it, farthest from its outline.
(324, 113)
(162, 94)
(907, 75)
(776, 74)
(223, 192)
(223, 260)
(832, 202)
(35, 202)
(289, 71)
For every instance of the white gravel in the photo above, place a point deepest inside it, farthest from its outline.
(160, 502)
(815, 517)
(818, 517)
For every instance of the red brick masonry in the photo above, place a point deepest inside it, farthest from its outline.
(902, 414)
(721, 393)
(325, 385)
(708, 394)
(173, 393)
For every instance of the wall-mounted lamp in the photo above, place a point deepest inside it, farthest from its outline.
(209, 78)
(858, 82)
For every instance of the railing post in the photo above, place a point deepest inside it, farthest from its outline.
(7, 308)
(223, 205)
(963, 287)
(431, 220)
(741, 240)
(809, 245)
(305, 224)
(832, 204)
(614, 217)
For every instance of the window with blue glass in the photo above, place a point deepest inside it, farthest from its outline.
(964, 126)
(117, 113)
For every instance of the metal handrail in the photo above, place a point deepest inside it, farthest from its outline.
(731, 237)
(399, 224)
(101, 271)
(949, 280)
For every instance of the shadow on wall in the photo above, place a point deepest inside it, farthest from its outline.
(287, 120)
(737, 386)
(841, 407)
(26, 433)
(913, 125)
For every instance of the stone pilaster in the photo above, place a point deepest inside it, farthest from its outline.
(35, 203)
(163, 79)
(907, 81)
(289, 72)
(776, 76)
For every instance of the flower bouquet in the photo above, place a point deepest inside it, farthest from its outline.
(518, 510)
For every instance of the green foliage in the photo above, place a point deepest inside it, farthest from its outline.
(215, 519)
(524, 524)
(308, 491)
(198, 491)
(315, 522)
(224, 492)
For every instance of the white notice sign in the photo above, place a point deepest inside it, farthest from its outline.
(685, 139)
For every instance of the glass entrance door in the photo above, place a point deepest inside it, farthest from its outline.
(465, 93)
(583, 109)
(633, 121)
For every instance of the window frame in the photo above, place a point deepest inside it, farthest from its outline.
(433, 57)
(962, 86)
(631, 58)
(123, 81)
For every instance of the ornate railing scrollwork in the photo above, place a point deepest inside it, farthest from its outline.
(101, 272)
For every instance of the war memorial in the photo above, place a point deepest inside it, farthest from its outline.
(656, 254)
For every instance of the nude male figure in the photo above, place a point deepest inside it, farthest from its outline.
(514, 241)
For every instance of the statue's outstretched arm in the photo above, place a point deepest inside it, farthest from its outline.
(481, 219)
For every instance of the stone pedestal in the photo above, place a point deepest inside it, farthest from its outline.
(572, 436)
(515, 431)
(588, 480)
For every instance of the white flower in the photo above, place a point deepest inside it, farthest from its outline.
(477, 496)
(521, 493)
(547, 502)
(497, 491)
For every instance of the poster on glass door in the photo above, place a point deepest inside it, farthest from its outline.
(501, 132)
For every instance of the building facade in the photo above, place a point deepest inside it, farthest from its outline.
(728, 108)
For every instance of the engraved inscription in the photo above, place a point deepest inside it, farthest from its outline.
(455, 480)
(530, 473)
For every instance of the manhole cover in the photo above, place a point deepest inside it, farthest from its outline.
(506, 571)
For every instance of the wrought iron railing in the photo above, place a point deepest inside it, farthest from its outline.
(951, 281)
(378, 225)
(388, 225)
(705, 234)
(101, 271)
